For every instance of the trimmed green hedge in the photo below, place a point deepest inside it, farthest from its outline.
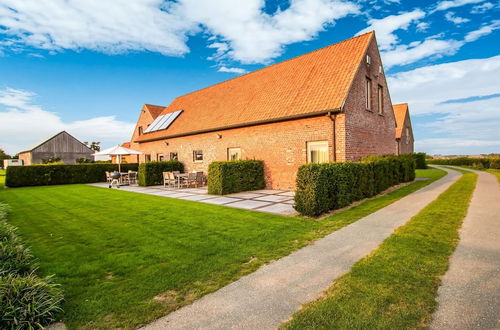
(41, 175)
(487, 162)
(234, 176)
(151, 173)
(420, 160)
(27, 301)
(330, 186)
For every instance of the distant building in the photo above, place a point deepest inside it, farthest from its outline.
(12, 162)
(61, 145)
(404, 131)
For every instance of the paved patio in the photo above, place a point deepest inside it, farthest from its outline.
(266, 200)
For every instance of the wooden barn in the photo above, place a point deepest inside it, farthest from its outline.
(61, 145)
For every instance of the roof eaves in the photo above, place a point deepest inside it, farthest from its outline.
(254, 123)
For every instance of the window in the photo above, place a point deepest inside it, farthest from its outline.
(160, 157)
(233, 153)
(147, 158)
(173, 156)
(197, 156)
(380, 100)
(368, 59)
(317, 152)
(407, 135)
(140, 130)
(368, 94)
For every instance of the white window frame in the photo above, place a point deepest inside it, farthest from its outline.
(311, 144)
(238, 152)
(194, 156)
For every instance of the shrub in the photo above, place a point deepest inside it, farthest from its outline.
(234, 176)
(15, 257)
(495, 163)
(40, 175)
(151, 173)
(28, 302)
(330, 186)
(420, 160)
(463, 161)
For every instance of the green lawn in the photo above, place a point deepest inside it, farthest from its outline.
(115, 251)
(395, 286)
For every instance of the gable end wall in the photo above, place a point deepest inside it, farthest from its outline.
(367, 132)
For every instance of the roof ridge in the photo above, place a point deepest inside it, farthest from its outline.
(272, 65)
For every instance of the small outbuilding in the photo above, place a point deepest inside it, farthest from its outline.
(404, 130)
(61, 146)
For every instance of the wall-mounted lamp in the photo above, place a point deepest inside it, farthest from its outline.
(218, 136)
(166, 143)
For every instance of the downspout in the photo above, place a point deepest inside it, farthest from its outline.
(333, 118)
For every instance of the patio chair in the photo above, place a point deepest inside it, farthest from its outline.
(132, 177)
(200, 179)
(190, 180)
(109, 178)
(168, 179)
(173, 179)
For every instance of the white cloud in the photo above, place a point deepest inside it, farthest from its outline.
(102, 25)
(253, 36)
(444, 5)
(432, 47)
(385, 27)
(483, 31)
(24, 123)
(462, 127)
(450, 16)
(429, 48)
(232, 70)
(482, 8)
(242, 32)
(423, 26)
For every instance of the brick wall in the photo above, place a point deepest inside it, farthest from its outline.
(282, 147)
(406, 141)
(367, 132)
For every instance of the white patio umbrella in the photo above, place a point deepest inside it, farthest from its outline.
(117, 151)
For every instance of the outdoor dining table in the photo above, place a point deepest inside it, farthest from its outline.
(179, 176)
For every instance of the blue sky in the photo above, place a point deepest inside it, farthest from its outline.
(88, 66)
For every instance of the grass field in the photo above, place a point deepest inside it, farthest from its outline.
(125, 259)
(395, 287)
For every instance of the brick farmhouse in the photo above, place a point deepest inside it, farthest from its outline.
(332, 104)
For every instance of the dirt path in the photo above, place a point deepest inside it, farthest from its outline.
(469, 297)
(267, 297)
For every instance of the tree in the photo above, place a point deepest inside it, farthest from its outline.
(3, 156)
(94, 145)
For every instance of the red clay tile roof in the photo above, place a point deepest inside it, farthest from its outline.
(302, 86)
(154, 110)
(400, 112)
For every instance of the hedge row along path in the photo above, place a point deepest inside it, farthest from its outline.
(267, 297)
(469, 297)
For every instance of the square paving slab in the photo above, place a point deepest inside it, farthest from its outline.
(248, 204)
(220, 200)
(268, 191)
(283, 209)
(272, 198)
(197, 197)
